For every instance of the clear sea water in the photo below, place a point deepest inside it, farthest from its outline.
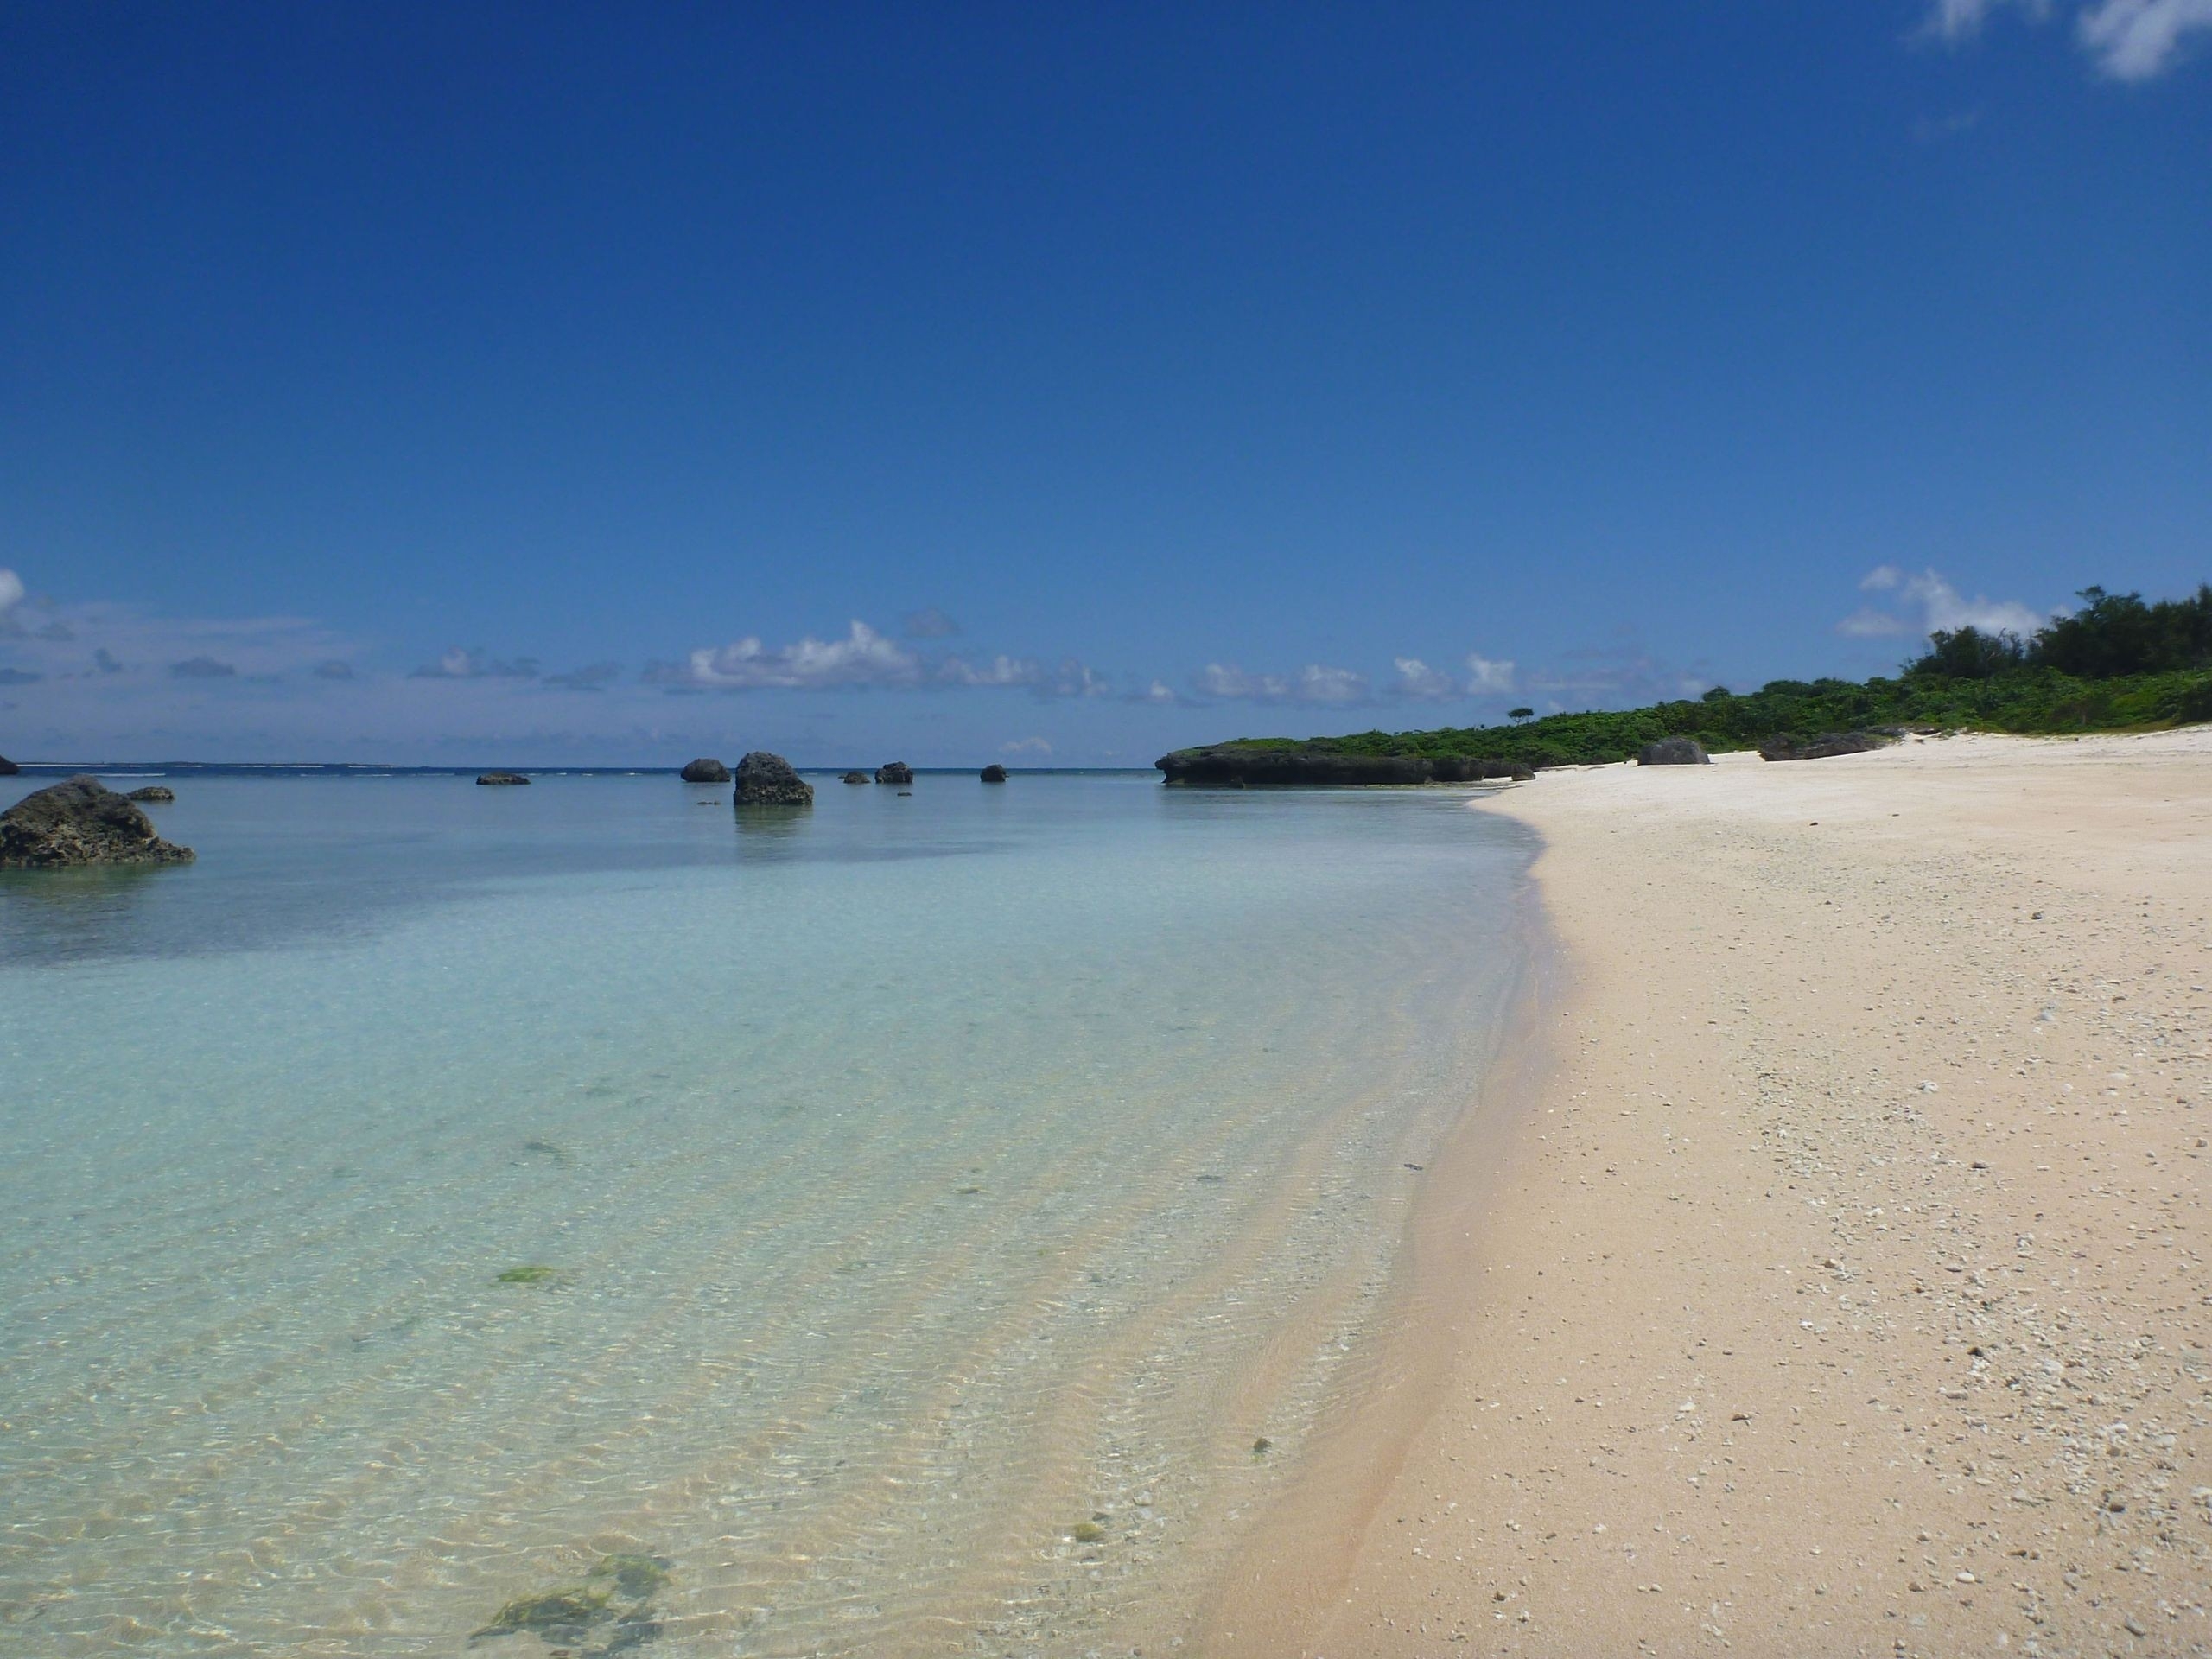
(939, 1196)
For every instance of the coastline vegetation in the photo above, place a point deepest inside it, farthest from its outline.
(2116, 664)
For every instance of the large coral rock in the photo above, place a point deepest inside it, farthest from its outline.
(706, 771)
(1672, 752)
(894, 772)
(81, 821)
(766, 780)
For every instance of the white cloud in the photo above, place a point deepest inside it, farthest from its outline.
(862, 658)
(459, 664)
(1071, 678)
(1315, 683)
(1486, 676)
(1961, 20)
(1417, 679)
(2127, 40)
(1320, 684)
(1158, 692)
(2137, 40)
(1036, 746)
(1000, 671)
(1928, 603)
(11, 591)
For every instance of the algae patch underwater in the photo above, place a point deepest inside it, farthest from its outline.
(611, 1608)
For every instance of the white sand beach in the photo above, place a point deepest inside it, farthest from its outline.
(1846, 1289)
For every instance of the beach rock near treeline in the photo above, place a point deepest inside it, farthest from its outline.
(894, 772)
(855, 778)
(766, 780)
(706, 771)
(7, 768)
(160, 794)
(1231, 765)
(1785, 745)
(993, 774)
(502, 778)
(1672, 752)
(80, 821)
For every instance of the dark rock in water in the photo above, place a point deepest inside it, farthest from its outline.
(81, 821)
(705, 771)
(1672, 752)
(766, 780)
(993, 774)
(1232, 766)
(856, 777)
(502, 778)
(154, 793)
(894, 772)
(7, 768)
(1786, 745)
(612, 1609)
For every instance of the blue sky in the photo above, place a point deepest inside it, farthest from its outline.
(533, 382)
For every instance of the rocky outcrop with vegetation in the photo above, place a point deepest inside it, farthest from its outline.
(1319, 764)
(2116, 663)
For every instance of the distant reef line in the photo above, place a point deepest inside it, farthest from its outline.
(2115, 663)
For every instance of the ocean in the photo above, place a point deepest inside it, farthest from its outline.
(582, 1218)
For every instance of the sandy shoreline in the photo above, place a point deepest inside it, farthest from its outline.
(1847, 1288)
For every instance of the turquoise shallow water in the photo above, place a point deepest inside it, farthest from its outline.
(940, 1196)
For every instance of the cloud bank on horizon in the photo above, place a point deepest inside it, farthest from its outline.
(90, 673)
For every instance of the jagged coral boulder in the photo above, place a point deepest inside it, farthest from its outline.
(159, 794)
(993, 774)
(894, 772)
(766, 780)
(1784, 745)
(1672, 752)
(706, 771)
(81, 821)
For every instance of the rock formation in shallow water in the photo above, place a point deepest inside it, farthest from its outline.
(856, 777)
(7, 768)
(1672, 752)
(157, 793)
(705, 770)
(502, 778)
(766, 780)
(894, 772)
(80, 821)
(993, 774)
(1786, 745)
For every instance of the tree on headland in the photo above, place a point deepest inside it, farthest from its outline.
(1520, 714)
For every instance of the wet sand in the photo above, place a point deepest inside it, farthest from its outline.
(1843, 1289)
